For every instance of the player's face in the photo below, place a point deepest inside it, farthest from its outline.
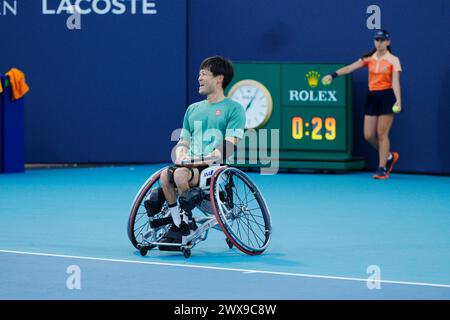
(207, 82)
(381, 44)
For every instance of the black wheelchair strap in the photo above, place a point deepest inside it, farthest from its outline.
(192, 174)
(170, 172)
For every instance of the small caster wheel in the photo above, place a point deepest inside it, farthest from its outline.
(186, 252)
(143, 251)
(229, 243)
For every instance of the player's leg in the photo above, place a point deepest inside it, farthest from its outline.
(371, 113)
(370, 130)
(168, 186)
(383, 128)
(185, 178)
(182, 176)
(387, 101)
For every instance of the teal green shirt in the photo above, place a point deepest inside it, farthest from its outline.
(206, 125)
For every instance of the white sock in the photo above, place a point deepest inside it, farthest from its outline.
(390, 156)
(175, 213)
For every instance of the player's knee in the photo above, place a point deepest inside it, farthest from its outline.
(181, 176)
(167, 176)
(163, 176)
(165, 180)
(369, 136)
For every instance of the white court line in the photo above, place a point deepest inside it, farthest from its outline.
(245, 271)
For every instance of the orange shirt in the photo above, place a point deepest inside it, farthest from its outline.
(381, 70)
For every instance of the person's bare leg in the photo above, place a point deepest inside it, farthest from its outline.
(370, 130)
(168, 188)
(181, 177)
(383, 128)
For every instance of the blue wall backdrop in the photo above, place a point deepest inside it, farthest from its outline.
(110, 92)
(329, 31)
(114, 90)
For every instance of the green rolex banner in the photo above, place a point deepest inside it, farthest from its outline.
(302, 85)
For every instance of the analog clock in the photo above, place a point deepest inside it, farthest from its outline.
(255, 99)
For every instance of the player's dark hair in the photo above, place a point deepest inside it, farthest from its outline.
(219, 66)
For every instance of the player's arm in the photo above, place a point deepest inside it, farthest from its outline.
(396, 88)
(181, 151)
(224, 150)
(343, 71)
(182, 147)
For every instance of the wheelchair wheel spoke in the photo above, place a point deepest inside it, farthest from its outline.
(255, 215)
(258, 224)
(254, 233)
(140, 228)
(239, 229)
(246, 194)
(239, 198)
(254, 199)
(141, 215)
(248, 240)
(242, 195)
(242, 189)
(245, 223)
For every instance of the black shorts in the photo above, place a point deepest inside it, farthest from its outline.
(380, 102)
(172, 169)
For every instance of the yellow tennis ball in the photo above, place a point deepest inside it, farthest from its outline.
(326, 82)
(396, 108)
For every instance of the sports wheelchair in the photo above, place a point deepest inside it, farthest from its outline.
(227, 200)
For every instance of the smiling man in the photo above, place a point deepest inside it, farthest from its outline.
(211, 129)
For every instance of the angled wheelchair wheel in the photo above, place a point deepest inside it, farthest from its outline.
(139, 228)
(241, 211)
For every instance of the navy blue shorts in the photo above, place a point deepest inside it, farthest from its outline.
(380, 102)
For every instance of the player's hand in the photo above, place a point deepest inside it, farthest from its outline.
(327, 80)
(179, 161)
(397, 107)
(207, 160)
(191, 162)
(213, 158)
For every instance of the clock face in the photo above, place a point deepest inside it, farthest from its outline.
(256, 101)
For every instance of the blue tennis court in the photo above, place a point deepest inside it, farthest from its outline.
(331, 237)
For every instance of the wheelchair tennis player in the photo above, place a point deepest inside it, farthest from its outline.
(211, 130)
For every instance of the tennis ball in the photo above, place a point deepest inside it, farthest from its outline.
(396, 108)
(326, 82)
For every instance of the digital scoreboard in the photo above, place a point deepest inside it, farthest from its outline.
(314, 121)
